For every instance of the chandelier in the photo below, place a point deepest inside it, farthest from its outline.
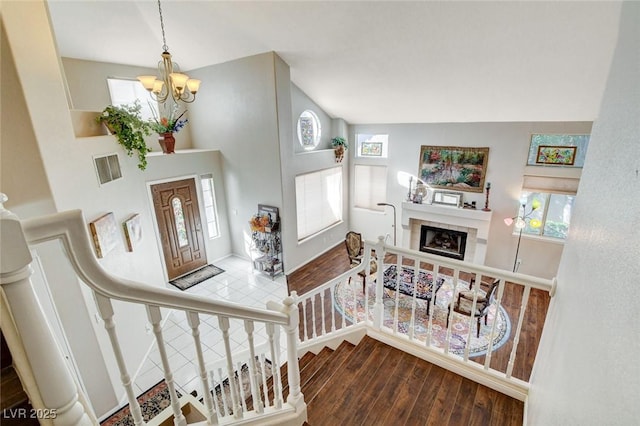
(170, 83)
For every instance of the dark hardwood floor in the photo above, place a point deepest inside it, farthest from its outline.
(435, 398)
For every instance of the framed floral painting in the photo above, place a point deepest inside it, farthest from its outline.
(450, 167)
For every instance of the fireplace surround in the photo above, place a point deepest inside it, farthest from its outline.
(475, 223)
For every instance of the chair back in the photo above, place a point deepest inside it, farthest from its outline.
(353, 241)
(491, 294)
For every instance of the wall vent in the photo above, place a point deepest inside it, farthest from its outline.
(107, 168)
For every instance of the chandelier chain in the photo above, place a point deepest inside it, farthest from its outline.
(165, 48)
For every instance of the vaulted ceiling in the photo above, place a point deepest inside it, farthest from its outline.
(377, 62)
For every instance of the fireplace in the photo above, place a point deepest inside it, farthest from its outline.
(443, 242)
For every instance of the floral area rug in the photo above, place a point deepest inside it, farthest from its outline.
(152, 402)
(478, 346)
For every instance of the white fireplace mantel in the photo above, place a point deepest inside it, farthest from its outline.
(453, 218)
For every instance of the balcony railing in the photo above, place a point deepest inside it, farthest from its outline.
(418, 318)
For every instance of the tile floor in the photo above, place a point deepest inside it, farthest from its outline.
(240, 284)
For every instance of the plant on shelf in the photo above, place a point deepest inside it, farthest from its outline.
(125, 123)
(339, 145)
(166, 126)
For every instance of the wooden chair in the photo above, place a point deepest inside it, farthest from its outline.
(464, 303)
(355, 250)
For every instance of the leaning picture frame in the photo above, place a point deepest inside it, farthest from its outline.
(447, 198)
(453, 168)
(104, 232)
(133, 231)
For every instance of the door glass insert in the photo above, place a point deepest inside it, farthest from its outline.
(181, 229)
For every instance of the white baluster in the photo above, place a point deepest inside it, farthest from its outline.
(344, 316)
(516, 339)
(275, 368)
(397, 293)
(487, 361)
(241, 396)
(224, 326)
(472, 318)
(333, 311)
(155, 317)
(416, 276)
(57, 387)
(265, 389)
(313, 316)
(324, 329)
(378, 307)
(255, 391)
(450, 313)
(194, 322)
(304, 319)
(223, 395)
(105, 309)
(217, 405)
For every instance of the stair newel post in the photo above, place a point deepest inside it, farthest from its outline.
(57, 387)
(105, 309)
(194, 323)
(155, 317)
(378, 307)
(295, 398)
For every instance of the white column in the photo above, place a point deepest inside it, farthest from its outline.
(53, 379)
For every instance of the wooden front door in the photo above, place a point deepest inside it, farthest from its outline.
(178, 216)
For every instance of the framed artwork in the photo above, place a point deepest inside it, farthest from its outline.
(133, 231)
(562, 155)
(558, 150)
(371, 149)
(453, 168)
(272, 212)
(104, 232)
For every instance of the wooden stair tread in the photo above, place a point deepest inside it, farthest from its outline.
(11, 391)
(376, 384)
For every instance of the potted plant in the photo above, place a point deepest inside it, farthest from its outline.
(339, 145)
(166, 126)
(125, 123)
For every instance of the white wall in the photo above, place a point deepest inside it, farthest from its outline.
(245, 109)
(587, 370)
(295, 161)
(508, 147)
(67, 165)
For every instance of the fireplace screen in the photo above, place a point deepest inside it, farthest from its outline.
(443, 242)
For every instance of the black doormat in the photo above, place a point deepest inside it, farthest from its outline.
(196, 277)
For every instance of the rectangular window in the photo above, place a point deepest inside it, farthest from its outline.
(554, 214)
(127, 92)
(372, 146)
(370, 186)
(210, 209)
(318, 201)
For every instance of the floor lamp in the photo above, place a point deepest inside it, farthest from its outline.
(520, 223)
(394, 220)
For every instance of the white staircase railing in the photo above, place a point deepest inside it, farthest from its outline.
(56, 384)
(327, 322)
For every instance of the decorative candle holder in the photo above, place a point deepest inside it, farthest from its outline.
(486, 202)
